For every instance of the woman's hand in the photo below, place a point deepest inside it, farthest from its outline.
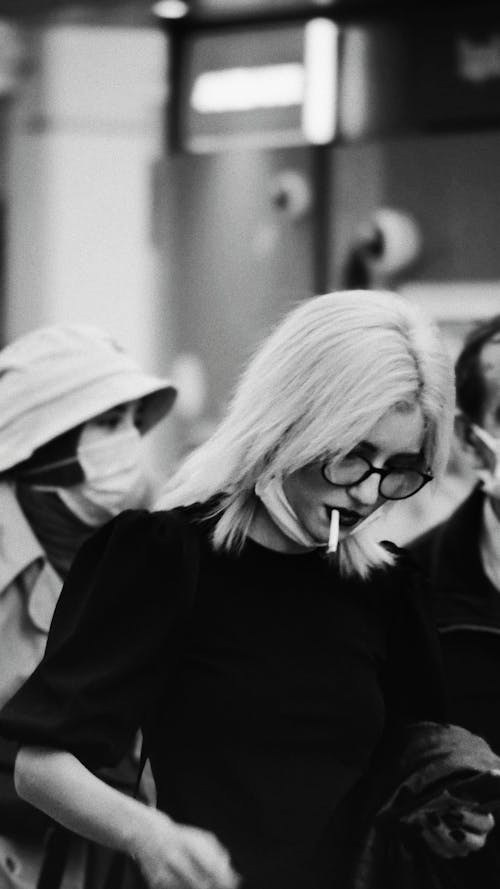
(454, 833)
(176, 856)
(170, 855)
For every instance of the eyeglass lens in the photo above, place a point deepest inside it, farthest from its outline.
(395, 485)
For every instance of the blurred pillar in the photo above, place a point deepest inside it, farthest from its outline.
(84, 140)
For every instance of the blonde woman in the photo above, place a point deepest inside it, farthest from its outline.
(262, 667)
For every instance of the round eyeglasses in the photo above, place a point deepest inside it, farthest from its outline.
(396, 483)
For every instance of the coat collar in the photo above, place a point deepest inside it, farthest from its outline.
(22, 556)
(456, 557)
(19, 548)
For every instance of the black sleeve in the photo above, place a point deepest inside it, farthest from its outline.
(414, 680)
(107, 651)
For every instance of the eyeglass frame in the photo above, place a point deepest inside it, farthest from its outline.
(383, 473)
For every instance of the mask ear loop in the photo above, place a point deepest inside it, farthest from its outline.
(488, 476)
(52, 464)
(45, 468)
(485, 437)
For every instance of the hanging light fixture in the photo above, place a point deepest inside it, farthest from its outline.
(170, 9)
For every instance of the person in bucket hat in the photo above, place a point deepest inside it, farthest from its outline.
(74, 407)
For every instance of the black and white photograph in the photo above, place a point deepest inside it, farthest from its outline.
(249, 444)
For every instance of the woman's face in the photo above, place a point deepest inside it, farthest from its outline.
(397, 438)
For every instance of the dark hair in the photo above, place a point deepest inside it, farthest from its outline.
(471, 388)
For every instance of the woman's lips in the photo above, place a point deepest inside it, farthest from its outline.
(347, 517)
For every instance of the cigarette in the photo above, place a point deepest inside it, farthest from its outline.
(333, 537)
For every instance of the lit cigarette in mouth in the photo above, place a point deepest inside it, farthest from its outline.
(333, 537)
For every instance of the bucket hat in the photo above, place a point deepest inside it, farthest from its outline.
(58, 377)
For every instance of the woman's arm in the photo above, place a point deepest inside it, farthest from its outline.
(168, 854)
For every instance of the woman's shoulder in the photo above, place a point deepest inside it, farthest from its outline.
(156, 526)
(138, 547)
(154, 541)
(139, 557)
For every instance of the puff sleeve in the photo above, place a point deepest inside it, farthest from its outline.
(108, 648)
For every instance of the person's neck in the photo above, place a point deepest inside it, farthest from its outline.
(264, 531)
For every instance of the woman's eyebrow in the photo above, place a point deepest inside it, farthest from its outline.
(117, 409)
(371, 448)
(407, 455)
(366, 446)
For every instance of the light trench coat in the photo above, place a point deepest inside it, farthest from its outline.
(29, 590)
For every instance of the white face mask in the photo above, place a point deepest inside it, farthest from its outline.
(283, 515)
(489, 476)
(279, 508)
(111, 462)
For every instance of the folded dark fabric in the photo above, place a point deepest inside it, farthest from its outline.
(424, 767)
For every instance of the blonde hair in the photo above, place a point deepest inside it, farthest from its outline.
(316, 386)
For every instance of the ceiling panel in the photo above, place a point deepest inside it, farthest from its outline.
(213, 10)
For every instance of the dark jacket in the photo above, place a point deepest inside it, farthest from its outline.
(449, 554)
(424, 768)
(467, 610)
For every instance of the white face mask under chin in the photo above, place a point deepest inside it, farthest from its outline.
(111, 462)
(274, 499)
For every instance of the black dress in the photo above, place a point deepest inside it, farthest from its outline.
(262, 688)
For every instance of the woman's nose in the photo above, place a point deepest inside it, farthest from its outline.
(127, 419)
(366, 492)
